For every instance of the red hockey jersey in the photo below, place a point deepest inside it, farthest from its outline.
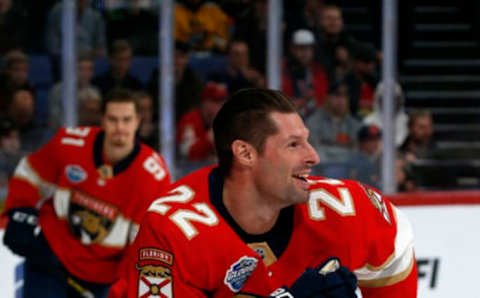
(88, 213)
(185, 248)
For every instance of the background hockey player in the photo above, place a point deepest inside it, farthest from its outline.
(76, 203)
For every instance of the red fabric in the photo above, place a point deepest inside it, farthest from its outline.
(204, 248)
(367, 95)
(123, 198)
(193, 137)
(320, 84)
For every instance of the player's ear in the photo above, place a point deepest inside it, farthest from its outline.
(243, 152)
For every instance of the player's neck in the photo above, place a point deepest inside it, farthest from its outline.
(114, 154)
(253, 214)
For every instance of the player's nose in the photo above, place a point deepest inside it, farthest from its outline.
(312, 157)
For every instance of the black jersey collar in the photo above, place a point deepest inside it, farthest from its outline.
(119, 166)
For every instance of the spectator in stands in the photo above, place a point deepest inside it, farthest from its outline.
(252, 28)
(148, 130)
(10, 149)
(89, 107)
(333, 131)
(202, 25)
(90, 32)
(85, 70)
(419, 143)
(304, 80)
(238, 72)
(400, 116)
(362, 79)
(304, 17)
(364, 163)
(334, 44)
(13, 27)
(118, 75)
(135, 23)
(21, 110)
(404, 176)
(10, 153)
(188, 85)
(195, 133)
(14, 76)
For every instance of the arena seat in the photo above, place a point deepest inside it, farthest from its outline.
(41, 77)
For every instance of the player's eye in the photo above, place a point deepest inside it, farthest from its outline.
(293, 144)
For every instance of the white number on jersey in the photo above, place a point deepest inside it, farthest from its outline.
(77, 133)
(183, 217)
(343, 205)
(153, 167)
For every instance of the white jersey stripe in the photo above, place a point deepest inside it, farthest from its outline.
(24, 171)
(399, 265)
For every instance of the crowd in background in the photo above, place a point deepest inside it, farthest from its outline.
(332, 76)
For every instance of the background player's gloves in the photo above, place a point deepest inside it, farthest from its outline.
(22, 230)
(329, 280)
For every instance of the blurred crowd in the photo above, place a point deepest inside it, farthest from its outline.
(331, 75)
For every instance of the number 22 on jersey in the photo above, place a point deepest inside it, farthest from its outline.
(183, 218)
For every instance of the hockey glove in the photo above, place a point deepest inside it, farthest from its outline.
(329, 280)
(22, 230)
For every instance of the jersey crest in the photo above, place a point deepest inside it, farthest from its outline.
(90, 219)
(156, 254)
(154, 282)
(239, 272)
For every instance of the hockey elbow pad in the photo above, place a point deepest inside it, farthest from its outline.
(329, 280)
(22, 230)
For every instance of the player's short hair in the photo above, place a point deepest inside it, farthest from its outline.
(141, 95)
(119, 95)
(246, 116)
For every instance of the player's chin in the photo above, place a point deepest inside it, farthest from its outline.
(301, 196)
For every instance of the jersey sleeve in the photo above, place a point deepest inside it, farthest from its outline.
(35, 175)
(390, 270)
(152, 267)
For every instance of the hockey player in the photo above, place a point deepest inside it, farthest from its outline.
(74, 206)
(258, 225)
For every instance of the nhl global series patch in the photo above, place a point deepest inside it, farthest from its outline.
(239, 272)
(75, 173)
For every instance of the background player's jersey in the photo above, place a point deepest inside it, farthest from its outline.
(186, 249)
(89, 211)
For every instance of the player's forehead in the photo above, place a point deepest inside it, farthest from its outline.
(120, 108)
(288, 125)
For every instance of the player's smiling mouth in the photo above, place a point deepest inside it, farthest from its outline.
(302, 177)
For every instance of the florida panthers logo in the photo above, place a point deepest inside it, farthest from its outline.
(90, 219)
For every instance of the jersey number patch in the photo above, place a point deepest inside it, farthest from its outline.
(183, 218)
(342, 204)
(77, 133)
